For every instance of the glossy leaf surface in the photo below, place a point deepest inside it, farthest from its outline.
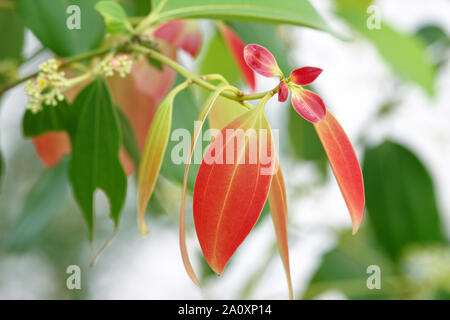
(152, 157)
(401, 199)
(345, 166)
(305, 75)
(229, 196)
(261, 60)
(116, 19)
(299, 12)
(308, 104)
(278, 209)
(48, 20)
(95, 156)
(197, 131)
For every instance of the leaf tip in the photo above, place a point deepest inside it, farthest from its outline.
(141, 223)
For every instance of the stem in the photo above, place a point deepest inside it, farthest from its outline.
(201, 81)
(80, 57)
(196, 78)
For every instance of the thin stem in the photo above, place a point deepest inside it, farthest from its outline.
(196, 78)
(77, 58)
(151, 18)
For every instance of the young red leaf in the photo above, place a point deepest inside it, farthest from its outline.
(345, 166)
(152, 157)
(261, 61)
(222, 112)
(197, 130)
(278, 209)
(151, 80)
(236, 46)
(305, 75)
(308, 104)
(52, 147)
(229, 195)
(283, 91)
(183, 34)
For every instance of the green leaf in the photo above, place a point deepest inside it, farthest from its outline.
(406, 54)
(49, 21)
(218, 59)
(129, 138)
(136, 8)
(95, 153)
(50, 118)
(344, 268)
(11, 34)
(433, 34)
(183, 118)
(45, 199)
(154, 150)
(400, 199)
(116, 19)
(299, 12)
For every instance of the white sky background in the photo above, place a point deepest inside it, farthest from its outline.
(352, 86)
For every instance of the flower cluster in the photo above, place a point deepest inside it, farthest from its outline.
(121, 65)
(307, 104)
(47, 87)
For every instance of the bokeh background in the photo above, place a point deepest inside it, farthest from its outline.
(395, 113)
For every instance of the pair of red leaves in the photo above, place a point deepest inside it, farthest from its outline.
(228, 198)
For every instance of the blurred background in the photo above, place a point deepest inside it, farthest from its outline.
(388, 87)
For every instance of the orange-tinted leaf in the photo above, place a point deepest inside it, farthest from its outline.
(52, 146)
(197, 130)
(305, 75)
(230, 191)
(183, 34)
(308, 104)
(236, 46)
(261, 61)
(278, 209)
(283, 91)
(345, 166)
(152, 81)
(222, 112)
(152, 157)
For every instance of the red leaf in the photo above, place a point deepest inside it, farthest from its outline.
(183, 34)
(152, 81)
(308, 104)
(278, 209)
(283, 91)
(305, 75)
(52, 147)
(261, 61)
(236, 46)
(228, 198)
(345, 166)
